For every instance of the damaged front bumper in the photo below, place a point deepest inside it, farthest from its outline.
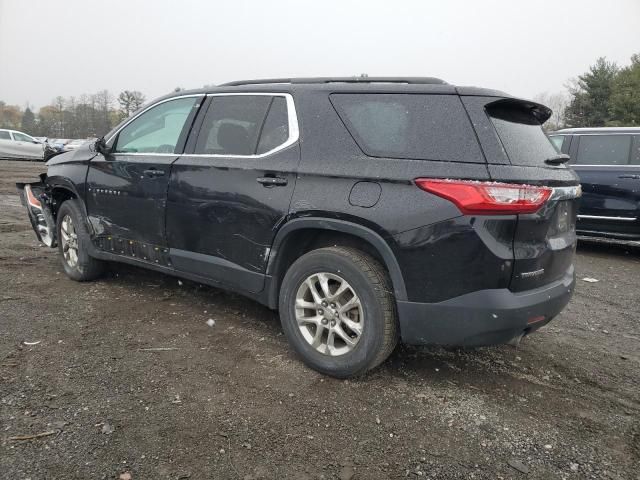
(34, 196)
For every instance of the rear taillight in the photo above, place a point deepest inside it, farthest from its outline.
(487, 198)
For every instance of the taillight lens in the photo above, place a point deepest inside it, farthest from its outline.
(488, 198)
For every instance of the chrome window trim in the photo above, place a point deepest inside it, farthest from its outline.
(566, 193)
(292, 115)
(619, 165)
(604, 134)
(602, 217)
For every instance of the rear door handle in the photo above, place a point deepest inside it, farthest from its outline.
(152, 172)
(272, 181)
(633, 177)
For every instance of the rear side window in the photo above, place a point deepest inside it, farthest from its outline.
(635, 154)
(604, 149)
(243, 125)
(4, 135)
(521, 134)
(413, 126)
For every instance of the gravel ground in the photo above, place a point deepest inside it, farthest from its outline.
(124, 378)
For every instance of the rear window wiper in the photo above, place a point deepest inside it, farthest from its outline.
(558, 159)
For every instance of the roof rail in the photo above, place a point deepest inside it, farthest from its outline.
(316, 80)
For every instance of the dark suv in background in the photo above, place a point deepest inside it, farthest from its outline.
(608, 163)
(365, 210)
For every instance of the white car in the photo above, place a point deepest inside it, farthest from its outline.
(18, 145)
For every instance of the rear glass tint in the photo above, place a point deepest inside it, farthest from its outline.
(521, 135)
(414, 126)
(604, 149)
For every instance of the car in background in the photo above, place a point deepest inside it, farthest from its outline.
(607, 161)
(58, 143)
(73, 144)
(19, 146)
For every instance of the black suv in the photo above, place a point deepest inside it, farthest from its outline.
(607, 159)
(365, 210)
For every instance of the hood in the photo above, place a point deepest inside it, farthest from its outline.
(83, 153)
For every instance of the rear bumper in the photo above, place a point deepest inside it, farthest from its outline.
(485, 317)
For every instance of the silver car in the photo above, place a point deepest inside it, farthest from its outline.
(18, 145)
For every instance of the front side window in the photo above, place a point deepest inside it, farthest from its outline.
(4, 135)
(557, 141)
(21, 137)
(243, 125)
(157, 130)
(604, 149)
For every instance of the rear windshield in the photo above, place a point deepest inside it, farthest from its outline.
(414, 126)
(521, 134)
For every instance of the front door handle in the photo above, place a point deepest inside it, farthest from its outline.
(152, 172)
(272, 181)
(633, 177)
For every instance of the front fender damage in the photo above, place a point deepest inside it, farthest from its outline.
(36, 196)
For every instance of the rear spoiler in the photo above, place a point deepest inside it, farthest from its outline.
(539, 111)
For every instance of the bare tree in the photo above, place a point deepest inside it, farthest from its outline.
(130, 101)
(558, 103)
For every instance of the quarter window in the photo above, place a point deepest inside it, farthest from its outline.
(415, 126)
(4, 135)
(157, 130)
(243, 125)
(604, 149)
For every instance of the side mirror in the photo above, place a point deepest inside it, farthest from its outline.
(101, 147)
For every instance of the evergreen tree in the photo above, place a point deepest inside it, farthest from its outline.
(625, 97)
(28, 122)
(591, 95)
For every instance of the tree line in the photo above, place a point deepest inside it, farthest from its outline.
(605, 95)
(73, 117)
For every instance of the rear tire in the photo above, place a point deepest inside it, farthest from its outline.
(74, 243)
(338, 311)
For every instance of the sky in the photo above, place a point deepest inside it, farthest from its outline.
(70, 47)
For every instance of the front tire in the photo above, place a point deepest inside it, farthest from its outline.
(338, 312)
(74, 242)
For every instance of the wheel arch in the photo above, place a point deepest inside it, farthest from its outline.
(63, 189)
(301, 235)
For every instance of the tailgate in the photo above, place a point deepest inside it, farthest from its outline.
(517, 148)
(544, 243)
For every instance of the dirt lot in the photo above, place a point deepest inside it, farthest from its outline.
(232, 401)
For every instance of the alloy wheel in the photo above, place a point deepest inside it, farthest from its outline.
(69, 241)
(329, 314)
